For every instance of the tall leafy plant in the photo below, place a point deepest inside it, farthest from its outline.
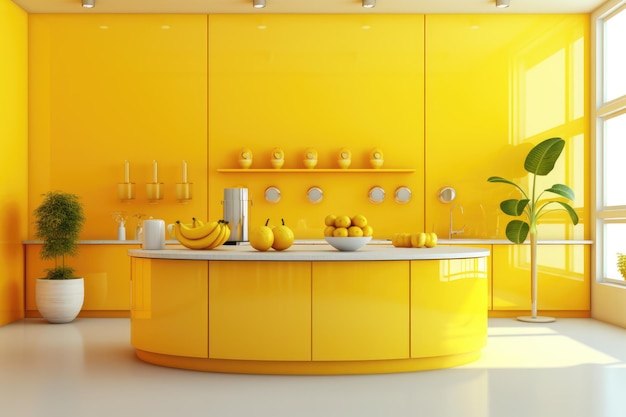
(59, 220)
(533, 204)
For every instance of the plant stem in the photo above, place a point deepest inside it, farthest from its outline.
(533, 272)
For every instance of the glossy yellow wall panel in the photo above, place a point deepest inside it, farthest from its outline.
(13, 158)
(325, 81)
(563, 277)
(449, 305)
(105, 268)
(170, 311)
(110, 88)
(260, 310)
(496, 85)
(356, 314)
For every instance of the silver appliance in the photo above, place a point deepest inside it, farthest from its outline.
(236, 207)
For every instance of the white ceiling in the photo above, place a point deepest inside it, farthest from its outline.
(310, 6)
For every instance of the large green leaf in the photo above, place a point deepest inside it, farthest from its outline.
(517, 230)
(541, 158)
(572, 213)
(562, 190)
(513, 207)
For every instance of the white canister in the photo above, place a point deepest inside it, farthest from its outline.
(153, 234)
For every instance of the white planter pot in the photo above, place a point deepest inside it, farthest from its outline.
(59, 300)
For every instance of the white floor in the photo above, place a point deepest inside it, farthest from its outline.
(573, 368)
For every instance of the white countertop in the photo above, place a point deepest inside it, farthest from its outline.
(314, 252)
(471, 241)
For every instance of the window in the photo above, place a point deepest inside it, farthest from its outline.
(610, 144)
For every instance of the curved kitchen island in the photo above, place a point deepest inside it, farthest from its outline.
(309, 309)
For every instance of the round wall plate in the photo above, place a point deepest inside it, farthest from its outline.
(447, 194)
(402, 195)
(315, 194)
(272, 194)
(376, 195)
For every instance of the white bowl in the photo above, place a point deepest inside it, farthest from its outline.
(347, 244)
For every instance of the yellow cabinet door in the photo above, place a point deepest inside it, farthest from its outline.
(106, 270)
(563, 277)
(360, 310)
(169, 306)
(485, 268)
(260, 310)
(448, 306)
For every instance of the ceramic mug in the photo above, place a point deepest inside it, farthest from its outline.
(153, 234)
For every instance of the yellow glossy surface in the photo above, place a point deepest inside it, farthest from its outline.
(109, 88)
(448, 314)
(260, 310)
(13, 158)
(485, 266)
(169, 310)
(490, 95)
(360, 310)
(301, 317)
(311, 367)
(322, 81)
(563, 278)
(105, 268)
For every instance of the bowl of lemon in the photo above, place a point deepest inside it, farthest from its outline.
(346, 233)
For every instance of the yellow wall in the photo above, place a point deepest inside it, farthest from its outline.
(325, 82)
(496, 85)
(450, 99)
(110, 88)
(13, 158)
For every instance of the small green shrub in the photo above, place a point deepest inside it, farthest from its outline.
(59, 220)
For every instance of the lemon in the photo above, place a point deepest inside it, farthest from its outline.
(368, 230)
(283, 237)
(261, 237)
(355, 231)
(340, 232)
(343, 221)
(431, 240)
(359, 220)
(418, 240)
(328, 231)
(330, 220)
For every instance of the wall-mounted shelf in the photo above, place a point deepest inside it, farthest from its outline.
(316, 170)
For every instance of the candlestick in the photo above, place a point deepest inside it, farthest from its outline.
(154, 172)
(184, 172)
(126, 172)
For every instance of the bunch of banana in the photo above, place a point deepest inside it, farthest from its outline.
(201, 235)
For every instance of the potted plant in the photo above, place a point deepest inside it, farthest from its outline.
(59, 220)
(539, 161)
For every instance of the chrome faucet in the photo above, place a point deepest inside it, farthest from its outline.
(453, 232)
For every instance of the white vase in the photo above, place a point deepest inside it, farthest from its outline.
(59, 300)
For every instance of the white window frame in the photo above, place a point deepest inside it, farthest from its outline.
(600, 112)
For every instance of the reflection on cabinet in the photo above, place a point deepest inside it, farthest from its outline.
(486, 266)
(168, 314)
(260, 310)
(356, 314)
(452, 321)
(563, 277)
(106, 269)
